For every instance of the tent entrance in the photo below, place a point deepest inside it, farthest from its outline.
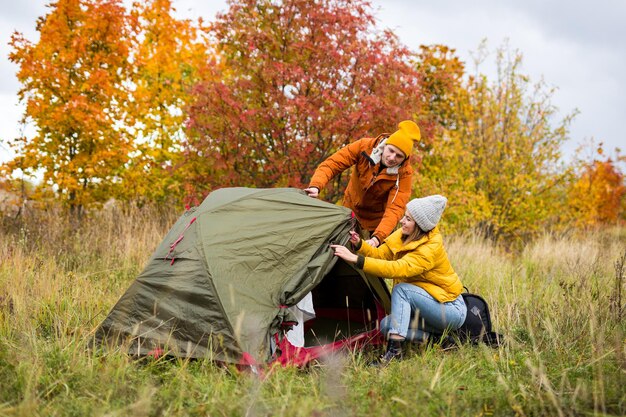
(345, 306)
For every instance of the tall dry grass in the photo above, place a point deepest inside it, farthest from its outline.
(557, 303)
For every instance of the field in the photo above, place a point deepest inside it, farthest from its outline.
(559, 302)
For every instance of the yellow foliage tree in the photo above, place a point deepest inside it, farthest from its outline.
(498, 156)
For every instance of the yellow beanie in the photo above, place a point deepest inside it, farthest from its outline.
(403, 138)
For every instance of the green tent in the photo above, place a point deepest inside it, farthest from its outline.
(220, 284)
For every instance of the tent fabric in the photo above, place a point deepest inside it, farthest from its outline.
(219, 284)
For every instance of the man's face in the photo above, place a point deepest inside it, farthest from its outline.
(392, 156)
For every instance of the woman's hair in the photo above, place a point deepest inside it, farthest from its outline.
(416, 234)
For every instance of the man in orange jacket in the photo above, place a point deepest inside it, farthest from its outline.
(380, 184)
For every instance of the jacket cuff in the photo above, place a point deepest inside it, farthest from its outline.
(360, 261)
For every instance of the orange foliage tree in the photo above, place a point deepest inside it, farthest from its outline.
(167, 55)
(72, 84)
(597, 196)
(299, 80)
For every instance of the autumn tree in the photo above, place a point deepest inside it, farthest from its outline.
(441, 81)
(498, 158)
(597, 196)
(167, 55)
(299, 80)
(72, 84)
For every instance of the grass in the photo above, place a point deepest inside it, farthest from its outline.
(558, 302)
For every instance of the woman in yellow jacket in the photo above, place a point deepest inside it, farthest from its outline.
(426, 295)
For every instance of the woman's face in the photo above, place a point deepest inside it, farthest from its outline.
(407, 223)
(392, 156)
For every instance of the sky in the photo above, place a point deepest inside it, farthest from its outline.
(576, 46)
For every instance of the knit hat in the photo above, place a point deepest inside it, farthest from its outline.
(427, 211)
(403, 138)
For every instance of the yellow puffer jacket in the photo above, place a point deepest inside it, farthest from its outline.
(423, 262)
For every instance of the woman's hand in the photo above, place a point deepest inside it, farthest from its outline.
(373, 242)
(354, 237)
(344, 253)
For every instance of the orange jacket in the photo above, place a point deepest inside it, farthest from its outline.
(378, 200)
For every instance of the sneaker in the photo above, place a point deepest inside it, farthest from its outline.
(393, 353)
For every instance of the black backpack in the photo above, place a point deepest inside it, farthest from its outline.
(477, 325)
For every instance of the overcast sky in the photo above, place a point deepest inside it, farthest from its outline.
(578, 46)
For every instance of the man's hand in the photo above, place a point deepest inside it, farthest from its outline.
(312, 192)
(373, 242)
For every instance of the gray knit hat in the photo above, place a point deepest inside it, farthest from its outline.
(427, 211)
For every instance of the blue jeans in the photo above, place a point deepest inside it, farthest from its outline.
(415, 313)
